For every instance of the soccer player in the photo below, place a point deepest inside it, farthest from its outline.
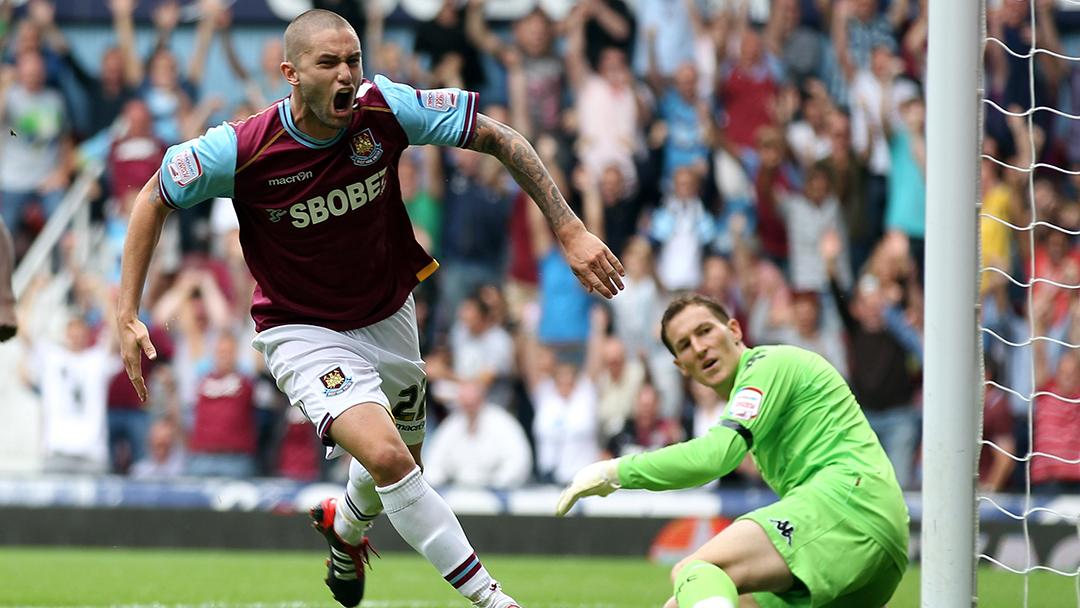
(326, 236)
(838, 536)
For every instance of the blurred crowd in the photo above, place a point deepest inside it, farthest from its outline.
(770, 154)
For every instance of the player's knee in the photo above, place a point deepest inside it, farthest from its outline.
(678, 567)
(389, 463)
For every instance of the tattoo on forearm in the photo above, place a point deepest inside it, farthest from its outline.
(504, 143)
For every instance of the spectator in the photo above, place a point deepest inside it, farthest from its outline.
(611, 107)
(996, 464)
(298, 449)
(851, 176)
(748, 90)
(453, 59)
(39, 160)
(685, 119)
(611, 198)
(683, 227)
(800, 48)
(618, 381)
(420, 174)
(661, 39)
(482, 350)
(879, 366)
(268, 84)
(73, 381)
(646, 430)
(636, 314)
(479, 445)
(905, 210)
(775, 173)
(706, 408)
(875, 101)
(859, 27)
(476, 211)
(166, 454)
(1056, 424)
(809, 138)
(223, 435)
(565, 400)
(105, 94)
(804, 328)
(807, 216)
(608, 24)
(532, 52)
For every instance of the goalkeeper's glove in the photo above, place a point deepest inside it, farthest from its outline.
(597, 479)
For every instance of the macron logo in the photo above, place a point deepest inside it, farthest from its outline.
(291, 179)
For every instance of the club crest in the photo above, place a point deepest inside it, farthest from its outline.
(365, 150)
(335, 381)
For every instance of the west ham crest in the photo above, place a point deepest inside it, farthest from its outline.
(365, 150)
(335, 381)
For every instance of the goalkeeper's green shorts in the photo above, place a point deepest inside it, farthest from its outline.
(835, 562)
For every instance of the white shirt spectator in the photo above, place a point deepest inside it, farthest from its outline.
(473, 354)
(74, 386)
(565, 428)
(490, 452)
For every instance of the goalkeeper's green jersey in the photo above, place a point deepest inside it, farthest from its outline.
(802, 425)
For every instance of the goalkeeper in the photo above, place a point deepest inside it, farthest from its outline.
(838, 536)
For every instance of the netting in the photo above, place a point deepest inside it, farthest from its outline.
(1030, 292)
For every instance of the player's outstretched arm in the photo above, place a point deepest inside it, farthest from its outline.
(144, 228)
(683, 465)
(595, 266)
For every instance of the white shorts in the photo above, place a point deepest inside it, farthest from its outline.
(325, 372)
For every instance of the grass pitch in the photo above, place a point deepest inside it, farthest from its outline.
(133, 578)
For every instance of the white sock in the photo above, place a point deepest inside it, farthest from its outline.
(359, 505)
(426, 522)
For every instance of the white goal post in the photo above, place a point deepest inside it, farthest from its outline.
(952, 410)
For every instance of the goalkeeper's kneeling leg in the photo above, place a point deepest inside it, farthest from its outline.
(699, 584)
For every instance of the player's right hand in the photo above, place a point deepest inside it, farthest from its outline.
(597, 479)
(134, 341)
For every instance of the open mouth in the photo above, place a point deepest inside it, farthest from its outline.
(709, 364)
(343, 100)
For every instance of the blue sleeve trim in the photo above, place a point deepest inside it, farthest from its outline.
(441, 117)
(199, 169)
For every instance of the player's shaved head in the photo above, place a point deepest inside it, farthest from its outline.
(299, 33)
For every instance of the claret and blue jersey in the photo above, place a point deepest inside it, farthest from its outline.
(322, 224)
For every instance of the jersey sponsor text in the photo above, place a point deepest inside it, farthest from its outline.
(338, 202)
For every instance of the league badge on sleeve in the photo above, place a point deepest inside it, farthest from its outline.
(439, 100)
(745, 404)
(184, 167)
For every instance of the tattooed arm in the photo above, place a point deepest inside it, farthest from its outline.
(595, 266)
(144, 228)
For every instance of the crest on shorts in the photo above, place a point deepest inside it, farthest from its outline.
(365, 150)
(335, 381)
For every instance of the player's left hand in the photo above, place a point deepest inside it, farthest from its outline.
(597, 479)
(595, 266)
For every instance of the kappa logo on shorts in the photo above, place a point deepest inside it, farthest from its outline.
(784, 527)
(335, 381)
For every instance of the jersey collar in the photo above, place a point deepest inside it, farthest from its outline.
(300, 136)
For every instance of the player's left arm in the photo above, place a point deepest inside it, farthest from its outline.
(593, 263)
